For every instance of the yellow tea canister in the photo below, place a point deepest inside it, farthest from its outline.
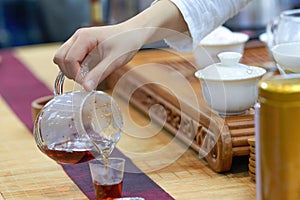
(277, 124)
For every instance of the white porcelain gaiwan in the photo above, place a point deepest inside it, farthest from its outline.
(228, 87)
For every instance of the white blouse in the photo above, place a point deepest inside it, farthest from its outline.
(202, 17)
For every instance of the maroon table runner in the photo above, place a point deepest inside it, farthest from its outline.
(19, 87)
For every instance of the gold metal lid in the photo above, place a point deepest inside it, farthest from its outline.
(281, 87)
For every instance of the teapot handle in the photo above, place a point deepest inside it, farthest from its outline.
(90, 61)
(59, 83)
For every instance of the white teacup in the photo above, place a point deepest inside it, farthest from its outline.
(287, 57)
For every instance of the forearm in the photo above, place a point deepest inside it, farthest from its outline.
(195, 17)
(203, 16)
(157, 22)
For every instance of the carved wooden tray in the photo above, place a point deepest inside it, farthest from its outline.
(169, 89)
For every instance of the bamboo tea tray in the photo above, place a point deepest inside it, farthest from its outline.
(166, 87)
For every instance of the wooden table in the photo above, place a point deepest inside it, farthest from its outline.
(163, 82)
(25, 173)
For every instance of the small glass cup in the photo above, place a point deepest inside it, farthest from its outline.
(107, 177)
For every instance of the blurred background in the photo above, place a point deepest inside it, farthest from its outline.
(26, 22)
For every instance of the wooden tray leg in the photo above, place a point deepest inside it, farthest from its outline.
(216, 148)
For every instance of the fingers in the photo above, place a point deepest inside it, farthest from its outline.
(98, 74)
(60, 55)
(71, 54)
(105, 67)
(113, 50)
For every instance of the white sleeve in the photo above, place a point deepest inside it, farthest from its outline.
(202, 17)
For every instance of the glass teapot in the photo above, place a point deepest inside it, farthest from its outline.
(78, 126)
(285, 28)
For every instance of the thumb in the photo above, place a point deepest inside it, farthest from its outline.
(97, 74)
(89, 85)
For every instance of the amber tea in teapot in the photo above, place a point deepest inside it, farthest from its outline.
(68, 152)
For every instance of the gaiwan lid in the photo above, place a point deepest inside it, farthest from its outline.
(229, 69)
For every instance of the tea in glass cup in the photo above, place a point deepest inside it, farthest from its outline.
(107, 176)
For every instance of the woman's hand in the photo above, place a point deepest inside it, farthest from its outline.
(114, 46)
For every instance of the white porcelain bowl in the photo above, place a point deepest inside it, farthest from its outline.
(287, 56)
(230, 88)
(220, 40)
